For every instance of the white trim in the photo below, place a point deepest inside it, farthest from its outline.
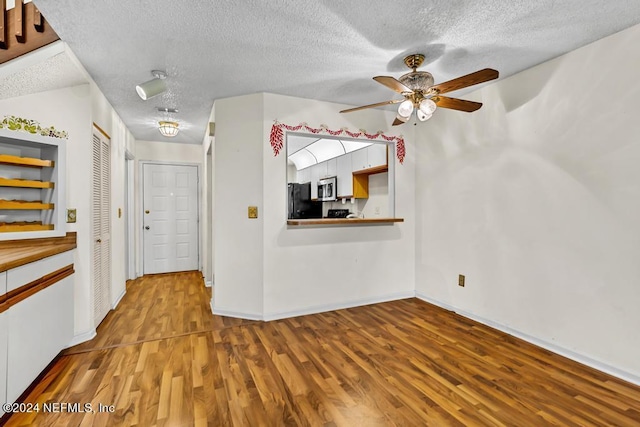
(86, 336)
(585, 360)
(117, 301)
(229, 313)
(314, 309)
(208, 283)
(129, 211)
(140, 198)
(339, 306)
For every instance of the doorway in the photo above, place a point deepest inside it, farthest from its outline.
(170, 218)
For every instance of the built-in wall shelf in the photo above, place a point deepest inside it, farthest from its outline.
(25, 183)
(24, 226)
(6, 159)
(32, 185)
(25, 205)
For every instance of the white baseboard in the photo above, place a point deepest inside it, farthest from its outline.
(312, 310)
(230, 313)
(339, 306)
(585, 360)
(115, 304)
(79, 339)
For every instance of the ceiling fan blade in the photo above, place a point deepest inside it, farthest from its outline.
(378, 104)
(468, 80)
(392, 84)
(456, 104)
(398, 121)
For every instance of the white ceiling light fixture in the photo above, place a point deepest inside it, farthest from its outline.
(168, 129)
(153, 87)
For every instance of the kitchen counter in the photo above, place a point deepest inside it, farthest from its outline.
(342, 221)
(14, 253)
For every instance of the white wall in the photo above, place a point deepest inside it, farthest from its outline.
(69, 109)
(238, 174)
(207, 204)
(265, 269)
(377, 204)
(536, 198)
(160, 151)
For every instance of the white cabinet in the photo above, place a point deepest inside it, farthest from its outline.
(315, 176)
(3, 359)
(332, 165)
(304, 175)
(370, 157)
(39, 327)
(36, 326)
(359, 159)
(376, 155)
(345, 176)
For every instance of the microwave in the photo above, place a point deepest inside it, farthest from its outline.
(327, 189)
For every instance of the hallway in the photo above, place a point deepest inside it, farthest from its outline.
(162, 359)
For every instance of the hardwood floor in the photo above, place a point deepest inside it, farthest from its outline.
(162, 359)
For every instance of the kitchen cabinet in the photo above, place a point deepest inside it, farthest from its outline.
(375, 155)
(315, 176)
(359, 159)
(344, 175)
(3, 359)
(332, 168)
(36, 319)
(304, 175)
(32, 185)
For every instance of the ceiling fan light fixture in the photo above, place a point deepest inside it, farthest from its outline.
(417, 80)
(422, 116)
(153, 87)
(168, 129)
(405, 108)
(427, 106)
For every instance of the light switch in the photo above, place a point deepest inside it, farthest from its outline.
(253, 212)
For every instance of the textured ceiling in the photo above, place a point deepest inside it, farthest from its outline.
(55, 72)
(323, 49)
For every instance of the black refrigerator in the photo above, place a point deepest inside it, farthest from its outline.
(300, 204)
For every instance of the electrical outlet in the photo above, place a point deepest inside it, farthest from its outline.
(253, 212)
(461, 280)
(376, 210)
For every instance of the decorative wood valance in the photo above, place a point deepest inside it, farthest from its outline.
(23, 29)
(276, 138)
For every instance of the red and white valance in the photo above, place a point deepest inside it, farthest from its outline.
(276, 139)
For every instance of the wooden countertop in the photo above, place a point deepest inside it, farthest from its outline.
(343, 221)
(14, 253)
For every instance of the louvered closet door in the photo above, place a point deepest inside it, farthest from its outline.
(101, 200)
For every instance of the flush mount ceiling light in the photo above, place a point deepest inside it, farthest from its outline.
(168, 129)
(153, 87)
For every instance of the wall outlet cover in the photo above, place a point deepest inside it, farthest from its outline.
(253, 212)
(71, 215)
(461, 280)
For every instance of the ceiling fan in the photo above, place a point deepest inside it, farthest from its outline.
(422, 96)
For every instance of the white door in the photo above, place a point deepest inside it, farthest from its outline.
(101, 230)
(170, 212)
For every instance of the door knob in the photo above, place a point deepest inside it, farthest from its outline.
(147, 227)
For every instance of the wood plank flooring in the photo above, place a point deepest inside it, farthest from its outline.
(162, 359)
